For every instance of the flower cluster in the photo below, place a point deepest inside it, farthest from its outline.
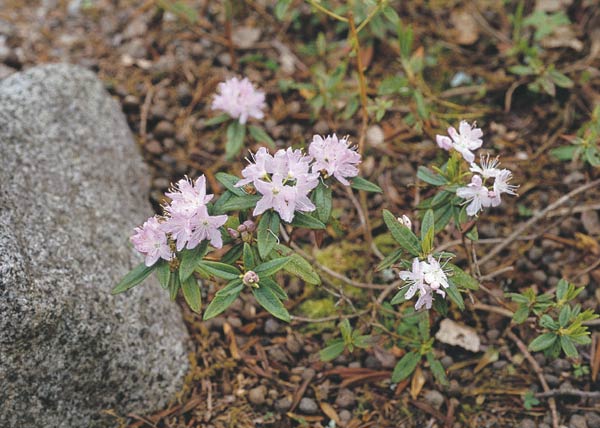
(286, 178)
(426, 277)
(239, 99)
(335, 157)
(479, 193)
(186, 223)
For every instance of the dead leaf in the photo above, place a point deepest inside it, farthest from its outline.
(562, 37)
(453, 333)
(330, 412)
(416, 383)
(587, 243)
(490, 356)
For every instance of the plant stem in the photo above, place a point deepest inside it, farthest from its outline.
(323, 9)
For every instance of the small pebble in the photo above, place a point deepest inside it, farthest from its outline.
(283, 404)
(447, 361)
(345, 398)
(375, 135)
(552, 380)
(540, 276)
(527, 423)
(345, 416)
(308, 373)
(153, 147)
(257, 395)
(593, 419)
(164, 129)
(493, 334)
(578, 421)
(434, 398)
(271, 326)
(308, 406)
(561, 365)
(293, 344)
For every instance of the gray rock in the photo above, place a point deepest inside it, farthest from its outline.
(73, 186)
(578, 421)
(283, 404)
(345, 398)
(434, 398)
(308, 406)
(527, 423)
(593, 419)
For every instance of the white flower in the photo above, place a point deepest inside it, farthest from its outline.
(488, 167)
(434, 274)
(414, 278)
(478, 195)
(466, 139)
(335, 156)
(501, 183)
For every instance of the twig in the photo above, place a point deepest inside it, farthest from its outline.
(539, 215)
(540, 374)
(144, 113)
(327, 11)
(574, 392)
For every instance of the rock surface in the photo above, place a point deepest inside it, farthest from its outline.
(72, 185)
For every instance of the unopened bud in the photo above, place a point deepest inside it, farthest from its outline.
(247, 237)
(251, 279)
(233, 233)
(250, 225)
(405, 221)
(241, 228)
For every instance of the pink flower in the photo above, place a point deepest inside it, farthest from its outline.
(466, 139)
(188, 222)
(239, 99)
(334, 156)
(151, 241)
(478, 195)
(206, 227)
(488, 167)
(187, 197)
(414, 278)
(284, 181)
(263, 163)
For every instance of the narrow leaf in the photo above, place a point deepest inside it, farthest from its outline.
(238, 203)
(402, 234)
(360, 183)
(229, 182)
(542, 342)
(306, 221)
(220, 270)
(235, 139)
(220, 303)
(332, 351)
(405, 366)
(191, 293)
(267, 233)
(268, 300)
(261, 136)
(133, 278)
(190, 259)
(272, 266)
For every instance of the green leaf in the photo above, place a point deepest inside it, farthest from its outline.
(427, 232)
(275, 288)
(235, 139)
(430, 177)
(133, 278)
(261, 136)
(301, 268)
(437, 369)
(272, 266)
(564, 152)
(233, 254)
(542, 342)
(249, 259)
(405, 366)
(268, 300)
(322, 198)
(217, 120)
(190, 259)
(232, 287)
(306, 221)
(399, 296)
(174, 285)
(229, 182)
(565, 314)
(360, 183)
(332, 351)
(402, 234)
(521, 314)
(346, 331)
(463, 279)
(592, 156)
(390, 259)
(567, 345)
(422, 109)
(220, 303)
(521, 70)
(191, 293)
(238, 203)
(560, 79)
(163, 272)
(220, 270)
(454, 295)
(267, 233)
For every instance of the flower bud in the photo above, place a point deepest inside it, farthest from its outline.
(251, 279)
(250, 225)
(233, 233)
(405, 221)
